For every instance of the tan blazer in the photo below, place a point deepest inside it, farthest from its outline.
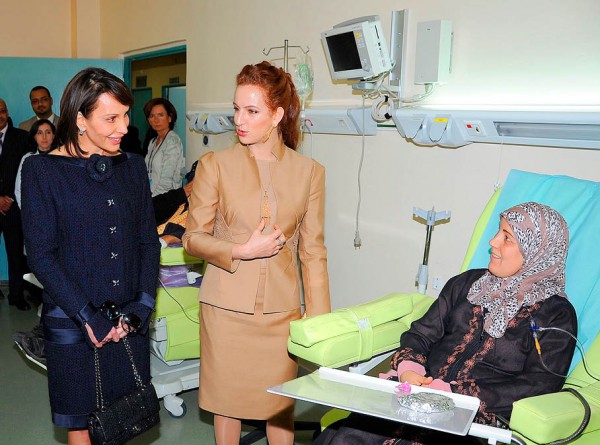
(225, 208)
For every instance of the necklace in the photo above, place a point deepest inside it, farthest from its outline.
(266, 209)
(265, 184)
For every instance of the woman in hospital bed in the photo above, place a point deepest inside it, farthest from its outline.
(480, 336)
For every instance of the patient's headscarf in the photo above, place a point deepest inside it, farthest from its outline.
(543, 239)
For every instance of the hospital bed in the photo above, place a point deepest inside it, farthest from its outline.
(362, 336)
(175, 328)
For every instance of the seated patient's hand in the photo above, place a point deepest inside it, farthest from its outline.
(440, 385)
(415, 379)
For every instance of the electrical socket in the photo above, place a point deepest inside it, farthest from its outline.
(437, 283)
(474, 128)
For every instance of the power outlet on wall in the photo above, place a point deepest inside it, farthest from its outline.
(474, 128)
(437, 283)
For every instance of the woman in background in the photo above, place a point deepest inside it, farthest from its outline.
(43, 132)
(164, 161)
(255, 209)
(91, 242)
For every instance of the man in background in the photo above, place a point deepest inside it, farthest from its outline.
(14, 143)
(41, 104)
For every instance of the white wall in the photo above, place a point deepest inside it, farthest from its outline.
(510, 52)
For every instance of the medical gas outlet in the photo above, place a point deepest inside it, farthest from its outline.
(211, 122)
(349, 121)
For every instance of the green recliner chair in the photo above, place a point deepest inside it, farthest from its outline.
(175, 328)
(355, 335)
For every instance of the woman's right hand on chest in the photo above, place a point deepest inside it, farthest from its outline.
(260, 245)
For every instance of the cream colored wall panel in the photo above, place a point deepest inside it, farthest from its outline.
(34, 28)
(137, 24)
(88, 29)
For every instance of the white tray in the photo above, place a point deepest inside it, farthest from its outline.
(375, 397)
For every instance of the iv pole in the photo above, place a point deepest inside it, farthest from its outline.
(430, 217)
(285, 47)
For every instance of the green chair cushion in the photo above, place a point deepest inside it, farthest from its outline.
(176, 255)
(308, 331)
(180, 307)
(356, 333)
(555, 416)
(551, 417)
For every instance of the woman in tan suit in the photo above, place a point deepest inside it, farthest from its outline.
(256, 208)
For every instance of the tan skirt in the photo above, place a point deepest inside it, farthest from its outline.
(243, 355)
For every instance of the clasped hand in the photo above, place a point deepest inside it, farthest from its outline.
(260, 245)
(115, 334)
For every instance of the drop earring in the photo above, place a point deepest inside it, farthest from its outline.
(81, 132)
(267, 135)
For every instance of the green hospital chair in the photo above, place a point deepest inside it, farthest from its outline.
(175, 329)
(363, 335)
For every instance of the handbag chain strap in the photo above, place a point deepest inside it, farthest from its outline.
(136, 375)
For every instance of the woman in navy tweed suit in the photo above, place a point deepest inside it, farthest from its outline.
(91, 238)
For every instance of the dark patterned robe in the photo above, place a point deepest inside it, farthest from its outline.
(450, 343)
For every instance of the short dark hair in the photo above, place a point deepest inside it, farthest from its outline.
(36, 126)
(81, 96)
(169, 107)
(40, 87)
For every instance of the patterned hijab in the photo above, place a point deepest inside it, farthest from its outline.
(543, 239)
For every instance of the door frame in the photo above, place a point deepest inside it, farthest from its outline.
(128, 60)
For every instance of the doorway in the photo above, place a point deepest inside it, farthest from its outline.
(158, 74)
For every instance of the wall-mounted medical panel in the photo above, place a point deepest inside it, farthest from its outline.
(339, 121)
(211, 121)
(327, 121)
(572, 127)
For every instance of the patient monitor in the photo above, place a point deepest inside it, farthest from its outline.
(356, 49)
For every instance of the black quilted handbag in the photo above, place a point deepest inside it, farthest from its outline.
(128, 416)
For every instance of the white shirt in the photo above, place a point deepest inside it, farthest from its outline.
(2, 133)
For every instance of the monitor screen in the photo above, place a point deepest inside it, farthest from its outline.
(356, 49)
(343, 51)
